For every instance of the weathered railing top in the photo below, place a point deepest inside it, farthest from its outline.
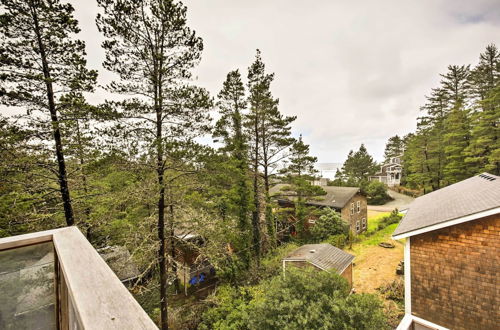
(98, 299)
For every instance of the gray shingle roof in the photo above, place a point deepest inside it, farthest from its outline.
(325, 256)
(473, 195)
(336, 197)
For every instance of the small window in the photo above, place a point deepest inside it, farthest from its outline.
(312, 221)
(357, 226)
(363, 222)
(352, 208)
(358, 206)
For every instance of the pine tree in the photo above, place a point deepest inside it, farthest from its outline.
(40, 60)
(486, 75)
(456, 140)
(275, 135)
(482, 152)
(393, 147)
(259, 97)
(232, 104)
(299, 173)
(358, 166)
(456, 125)
(150, 47)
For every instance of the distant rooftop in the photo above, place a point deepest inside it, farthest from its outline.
(336, 197)
(324, 256)
(477, 194)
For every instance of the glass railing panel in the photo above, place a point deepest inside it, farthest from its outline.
(28, 297)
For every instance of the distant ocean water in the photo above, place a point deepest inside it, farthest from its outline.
(327, 170)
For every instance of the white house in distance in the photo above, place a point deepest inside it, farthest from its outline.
(452, 257)
(390, 172)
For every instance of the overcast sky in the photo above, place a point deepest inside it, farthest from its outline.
(352, 71)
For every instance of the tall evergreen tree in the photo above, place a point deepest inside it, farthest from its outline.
(393, 147)
(275, 134)
(486, 75)
(456, 125)
(259, 98)
(299, 173)
(40, 60)
(358, 166)
(482, 152)
(232, 104)
(149, 45)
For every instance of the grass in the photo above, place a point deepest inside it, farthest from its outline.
(374, 221)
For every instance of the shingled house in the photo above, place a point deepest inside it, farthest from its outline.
(322, 257)
(452, 257)
(390, 172)
(348, 201)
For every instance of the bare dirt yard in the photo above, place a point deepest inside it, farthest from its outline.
(376, 266)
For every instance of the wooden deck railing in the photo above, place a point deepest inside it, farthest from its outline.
(87, 294)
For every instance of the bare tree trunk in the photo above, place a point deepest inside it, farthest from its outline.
(56, 133)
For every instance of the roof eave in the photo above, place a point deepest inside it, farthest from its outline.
(447, 223)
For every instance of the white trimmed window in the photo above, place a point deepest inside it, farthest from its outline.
(357, 226)
(352, 208)
(358, 206)
(363, 223)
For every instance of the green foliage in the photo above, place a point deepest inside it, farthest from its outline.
(328, 224)
(305, 299)
(299, 171)
(390, 219)
(338, 240)
(394, 147)
(457, 136)
(357, 168)
(376, 193)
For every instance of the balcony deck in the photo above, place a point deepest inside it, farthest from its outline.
(55, 279)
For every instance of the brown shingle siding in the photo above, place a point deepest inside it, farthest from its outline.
(454, 275)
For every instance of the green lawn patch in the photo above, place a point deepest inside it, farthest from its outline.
(373, 222)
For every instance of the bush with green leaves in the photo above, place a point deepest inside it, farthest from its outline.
(376, 193)
(394, 217)
(304, 299)
(328, 224)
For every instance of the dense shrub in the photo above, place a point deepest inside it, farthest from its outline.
(394, 217)
(339, 240)
(376, 193)
(328, 224)
(394, 290)
(305, 299)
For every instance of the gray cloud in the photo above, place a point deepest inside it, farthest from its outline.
(352, 71)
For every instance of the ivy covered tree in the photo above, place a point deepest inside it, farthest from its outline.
(259, 99)
(150, 47)
(299, 172)
(232, 106)
(42, 61)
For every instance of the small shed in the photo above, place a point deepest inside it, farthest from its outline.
(323, 257)
(120, 261)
